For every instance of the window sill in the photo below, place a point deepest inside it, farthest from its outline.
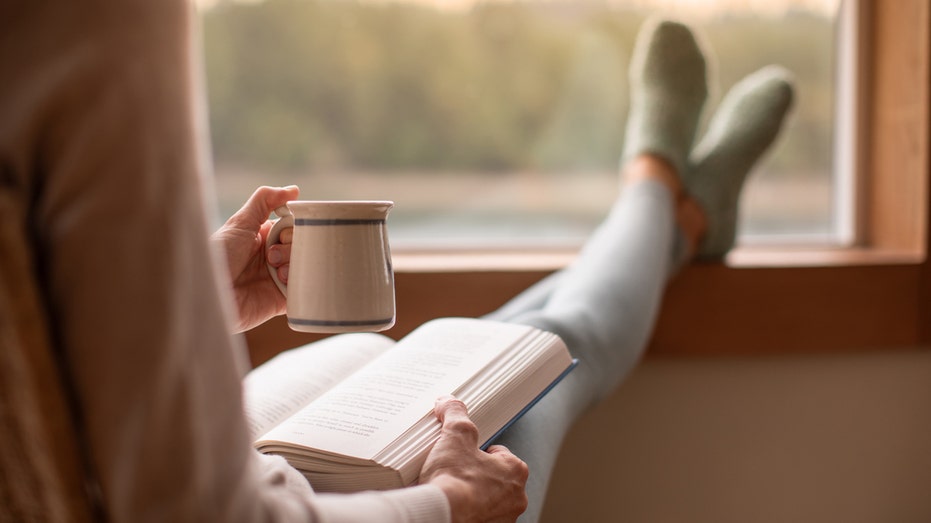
(551, 259)
(762, 301)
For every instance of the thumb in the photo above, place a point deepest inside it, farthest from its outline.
(454, 417)
(262, 202)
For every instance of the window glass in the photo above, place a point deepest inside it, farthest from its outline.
(492, 122)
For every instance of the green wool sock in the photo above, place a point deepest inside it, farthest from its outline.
(667, 89)
(744, 126)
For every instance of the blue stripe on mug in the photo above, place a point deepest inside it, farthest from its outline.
(339, 323)
(337, 221)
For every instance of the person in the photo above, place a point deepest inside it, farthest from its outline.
(104, 152)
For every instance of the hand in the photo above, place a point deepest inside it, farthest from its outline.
(242, 238)
(480, 486)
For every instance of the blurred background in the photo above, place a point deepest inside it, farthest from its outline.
(495, 123)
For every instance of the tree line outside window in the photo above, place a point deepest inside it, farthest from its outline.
(503, 121)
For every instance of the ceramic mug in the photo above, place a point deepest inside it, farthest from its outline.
(340, 279)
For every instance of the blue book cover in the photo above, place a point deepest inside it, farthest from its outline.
(523, 411)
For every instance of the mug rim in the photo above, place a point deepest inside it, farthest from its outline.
(353, 202)
(368, 209)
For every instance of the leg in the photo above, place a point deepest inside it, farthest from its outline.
(534, 298)
(604, 307)
(605, 304)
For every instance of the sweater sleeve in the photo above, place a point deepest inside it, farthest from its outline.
(104, 135)
(419, 504)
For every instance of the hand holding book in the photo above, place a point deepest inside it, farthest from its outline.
(480, 486)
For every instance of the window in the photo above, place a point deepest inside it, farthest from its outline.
(496, 122)
(875, 293)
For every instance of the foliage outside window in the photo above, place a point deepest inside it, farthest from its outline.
(496, 122)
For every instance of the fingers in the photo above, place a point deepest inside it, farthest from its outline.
(283, 272)
(480, 486)
(286, 236)
(280, 253)
(515, 466)
(498, 449)
(260, 205)
(262, 202)
(456, 425)
(444, 404)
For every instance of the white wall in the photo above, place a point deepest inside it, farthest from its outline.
(828, 438)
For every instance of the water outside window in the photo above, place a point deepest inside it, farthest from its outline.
(495, 123)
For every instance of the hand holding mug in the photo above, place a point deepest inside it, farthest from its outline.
(241, 240)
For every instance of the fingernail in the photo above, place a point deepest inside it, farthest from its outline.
(274, 256)
(283, 272)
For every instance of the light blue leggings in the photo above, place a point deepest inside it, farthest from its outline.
(604, 307)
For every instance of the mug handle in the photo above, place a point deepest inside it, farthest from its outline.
(286, 220)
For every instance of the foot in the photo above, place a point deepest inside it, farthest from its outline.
(668, 89)
(741, 130)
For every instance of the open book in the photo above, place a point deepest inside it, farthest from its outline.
(355, 411)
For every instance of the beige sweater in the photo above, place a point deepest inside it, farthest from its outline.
(102, 138)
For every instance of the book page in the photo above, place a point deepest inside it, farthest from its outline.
(284, 384)
(371, 408)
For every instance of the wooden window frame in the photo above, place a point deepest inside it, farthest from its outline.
(872, 295)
